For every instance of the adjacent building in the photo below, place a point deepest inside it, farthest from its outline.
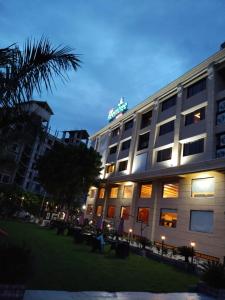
(25, 151)
(164, 163)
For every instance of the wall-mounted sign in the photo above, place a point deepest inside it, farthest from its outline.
(121, 108)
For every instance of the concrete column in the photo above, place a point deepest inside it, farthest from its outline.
(153, 132)
(175, 161)
(210, 114)
(155, 198)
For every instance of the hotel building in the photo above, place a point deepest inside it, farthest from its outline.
(164, 163)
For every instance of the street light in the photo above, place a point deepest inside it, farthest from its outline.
(130, 234)
(163, 240)
(84, 207)
(192, 251)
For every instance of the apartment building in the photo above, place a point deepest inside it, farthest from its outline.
(164, 163)
(25, 152)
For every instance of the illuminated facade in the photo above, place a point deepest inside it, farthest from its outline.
(164, 163)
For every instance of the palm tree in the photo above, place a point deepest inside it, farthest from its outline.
(23, 72)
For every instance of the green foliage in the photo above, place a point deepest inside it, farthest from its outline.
(14, 199)
(214, 274)
(68, 171)
(186, 251)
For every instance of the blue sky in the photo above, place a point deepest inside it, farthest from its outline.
(129, 48)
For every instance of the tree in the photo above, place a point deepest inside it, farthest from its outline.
(67, 172)
(22, 72)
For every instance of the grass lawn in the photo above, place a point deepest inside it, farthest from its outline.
(59, 264)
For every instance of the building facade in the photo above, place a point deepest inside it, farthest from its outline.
(164, 163)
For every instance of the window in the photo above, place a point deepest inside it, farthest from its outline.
(146, 119)
(101, 193)
(168, 103)
(220, 118)
(125, 212)
(202, 187)
(123, 165)
(125, 145)
(99, 210)
(92, 193)
(128, 191)
(114, 192)
(111, 211)
(193, 147)
(89, 210)
(112, 150)
(146, 191)
(170, 190)
(5, 178)
(201, 221)
(165, 128)
(143, 141)
(143, 214)
(220, 145)
(116, 132)
(195, 116)
(168, 217)
(164, 154)
(110, 168)
(128, 125)
(196, 87)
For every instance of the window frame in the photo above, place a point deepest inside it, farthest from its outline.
(201, 231)
(175, 183)
(127, 215)
(114, 211)
(196, 87)
(164, 104)
(140, 193)
(159, 159)
(121, 163)
(166, 128)
(172, 210)
(138, 211)
(146, 119)
(130, 186)
(147, 143)
(188, 151)
(197, 196)
(110, 193)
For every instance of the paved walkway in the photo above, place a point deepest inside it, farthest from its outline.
(63, 295)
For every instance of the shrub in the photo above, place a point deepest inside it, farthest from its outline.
(214, 274)
(186, 252)
(15, 263)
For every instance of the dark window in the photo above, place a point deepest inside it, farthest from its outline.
(195, 117)
(169, 103)
(196, 87)
(220, 118)
(146, 119)
(123, 165)
(116, 131)
(112, 150)
(128, 125)
(143, 141)
(125, 145)
(220, 145)
(5, 179)
(164, 154)
(165, 128)
(193, 147)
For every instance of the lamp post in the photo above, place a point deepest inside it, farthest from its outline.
(163, 240)
(192, 251)
(130, 234)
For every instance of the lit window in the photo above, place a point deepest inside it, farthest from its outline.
(195, 116)
(146, 191)
(111, 211)
(89, 210)
(110, 168)
(101, 194)
(114, 192)
(99, 210)
(170, 190)
(203, 187)
(201, 221)
(168, 217)
(92, 193)
(123, 165)
(128, 191)
(125, 212)
(143, 214)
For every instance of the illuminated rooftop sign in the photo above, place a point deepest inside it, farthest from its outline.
(118, 111)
